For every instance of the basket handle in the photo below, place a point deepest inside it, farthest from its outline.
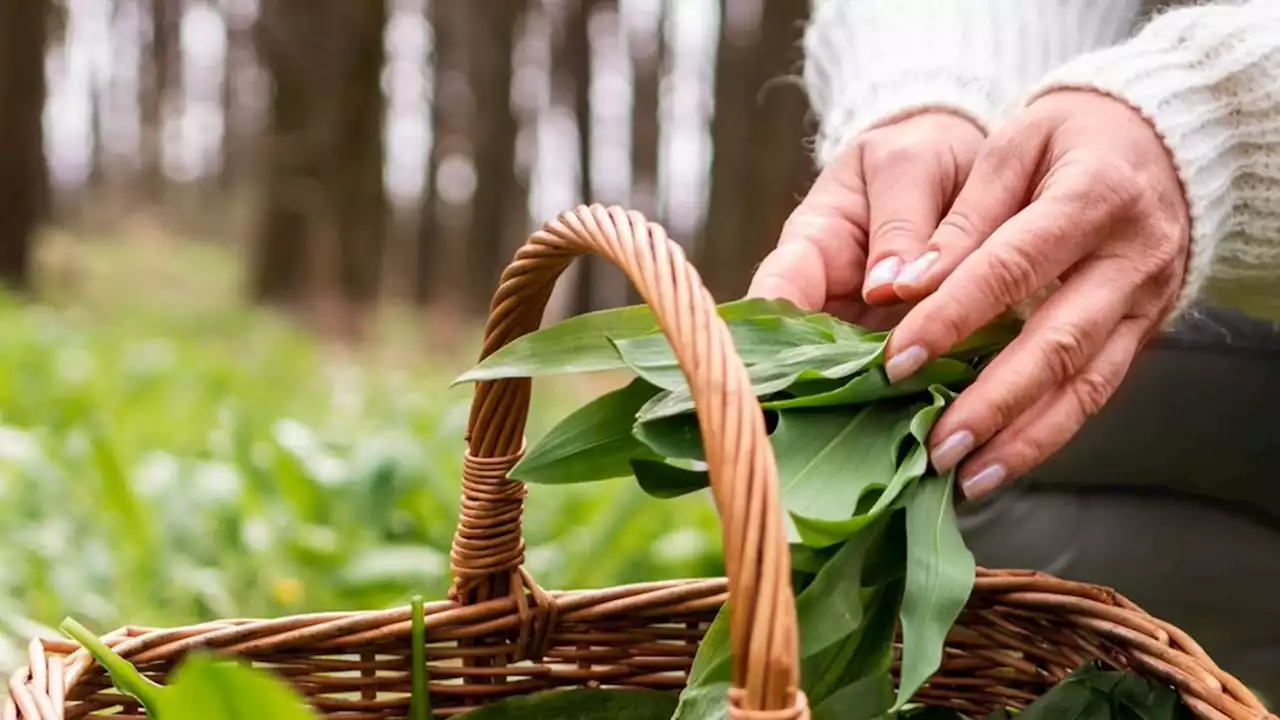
(488, 549)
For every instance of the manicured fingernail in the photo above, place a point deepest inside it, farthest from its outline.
(916, 269)
(906, 363)
(885, 272)
(984, 482)
(951, 451)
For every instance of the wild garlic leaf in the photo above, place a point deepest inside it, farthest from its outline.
(582, 343)
(828, 459)
(807, 362)
(865, 652)
(205, 688)
(1092, 693)
(675, 437)
(665, 481)
(867, 698)
(873, 385)
(821, 532)
(940, 577)
(593, 443)
(582, 704)
(756, 340)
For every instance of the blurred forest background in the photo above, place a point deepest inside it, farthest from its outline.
(244, 248)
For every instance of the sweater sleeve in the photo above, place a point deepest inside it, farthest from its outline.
(871, 61)
(1208, 80)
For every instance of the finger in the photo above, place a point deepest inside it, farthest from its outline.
(1051, 423)
(905, 199)
(1058, 340)
(1032, 249)
(996, 189)
(821, 251)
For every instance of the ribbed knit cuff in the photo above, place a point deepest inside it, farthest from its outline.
(869, 62)
(1208, 81)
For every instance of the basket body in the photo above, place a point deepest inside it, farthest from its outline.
(501, 635)
(1021, 633)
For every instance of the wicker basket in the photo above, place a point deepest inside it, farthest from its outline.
(500, 634)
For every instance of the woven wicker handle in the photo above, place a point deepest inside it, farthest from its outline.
(488, 549)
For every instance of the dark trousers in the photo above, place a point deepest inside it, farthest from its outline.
(1171, 495)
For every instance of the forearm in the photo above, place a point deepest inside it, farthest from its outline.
(871, 61)
(1208, 80)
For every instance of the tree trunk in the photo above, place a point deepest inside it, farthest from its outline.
(159, 81)
(760, 164)
(355, 181)
(236, 138)
(494, 128)
(323, 229)
(648, 59)
(442, 228)
(279, 258)
(24, 183)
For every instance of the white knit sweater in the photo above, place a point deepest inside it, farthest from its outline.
(1206, 76)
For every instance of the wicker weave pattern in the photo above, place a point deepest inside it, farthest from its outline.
(500, 634)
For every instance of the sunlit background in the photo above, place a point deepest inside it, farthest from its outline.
(247, 244)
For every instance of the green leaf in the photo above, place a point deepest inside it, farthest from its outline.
(827, 459)
(677, 437)
(821, 532)
(1091, 693)
(831, 607)
(807, 362)
(940, 576)
(593, 443)
(837, 327)
(867, 698)
(203, 688)
(865, 652)
(582, 343)
(582, 704)
(755, 339)
(665, 481)
(873, 385)
(704, 702)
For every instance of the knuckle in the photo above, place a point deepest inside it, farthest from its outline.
(960, 229)
(1114, 186)
(1011, 276)
(886, 151)
(1092, 390)
(1063, 350)
(896, 232)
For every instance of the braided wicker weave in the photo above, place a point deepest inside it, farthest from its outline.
(500, 634)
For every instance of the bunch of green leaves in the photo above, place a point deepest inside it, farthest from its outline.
(873, 532)
(874, 537)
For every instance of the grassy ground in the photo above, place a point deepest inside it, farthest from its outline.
(169, 456)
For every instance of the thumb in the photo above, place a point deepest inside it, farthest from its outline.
(793, 271)
(821, 253)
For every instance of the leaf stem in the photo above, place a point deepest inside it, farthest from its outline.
(125, 676)
(419, 700)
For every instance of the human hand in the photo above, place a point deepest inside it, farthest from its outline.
(1077, 188)
(873, 207)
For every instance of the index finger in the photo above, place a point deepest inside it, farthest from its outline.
(1025, 254)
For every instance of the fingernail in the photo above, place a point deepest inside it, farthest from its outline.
(885, 272)
(904, 364)
(951, 451)
(984, 482)
(916, 269)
